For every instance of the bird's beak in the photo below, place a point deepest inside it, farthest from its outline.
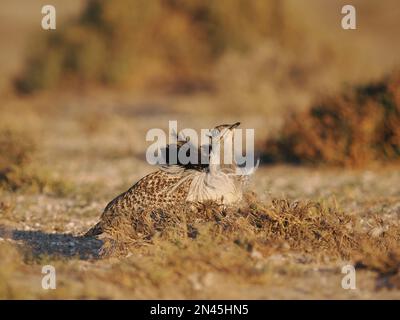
(235, 125)
(229, 127)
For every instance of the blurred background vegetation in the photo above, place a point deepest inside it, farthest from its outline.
(168, 44)
(264, 57)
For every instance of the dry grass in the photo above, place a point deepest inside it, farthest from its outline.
(16, 152)
(17, 149)
(194, 254)
(19, 167)
(321, 230)
(356, 128)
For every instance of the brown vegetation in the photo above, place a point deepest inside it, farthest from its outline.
(360, 126)
(160, 42)
(19, 168)
(16, 152)
(300, 226)
(194, 252)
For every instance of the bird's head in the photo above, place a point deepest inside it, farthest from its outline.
(219, 132)
(222, 143)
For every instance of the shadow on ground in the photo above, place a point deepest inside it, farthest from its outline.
(38, 243)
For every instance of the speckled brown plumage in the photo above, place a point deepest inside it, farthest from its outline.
(160, 190)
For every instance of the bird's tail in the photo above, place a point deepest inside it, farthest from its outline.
(95, 230)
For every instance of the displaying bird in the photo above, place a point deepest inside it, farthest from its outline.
(173, 186)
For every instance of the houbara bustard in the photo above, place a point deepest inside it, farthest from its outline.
(173, 186)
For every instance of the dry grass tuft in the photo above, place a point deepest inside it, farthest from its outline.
(19, 167)
(320, 230)
(17, 150)
(356, 128)
(313, 232)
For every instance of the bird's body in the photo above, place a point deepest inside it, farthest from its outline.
(172, 187)
(149, 193)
